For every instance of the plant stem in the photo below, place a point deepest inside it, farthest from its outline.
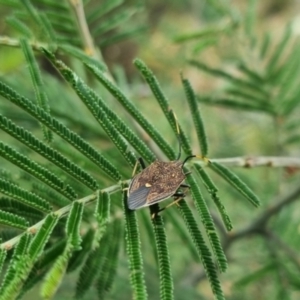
(62, 212)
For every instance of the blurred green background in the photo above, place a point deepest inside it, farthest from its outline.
(222, 34)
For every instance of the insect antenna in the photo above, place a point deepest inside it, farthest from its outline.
(188, 158)
(177, 134)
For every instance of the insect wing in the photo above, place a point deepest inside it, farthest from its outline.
(138, 198)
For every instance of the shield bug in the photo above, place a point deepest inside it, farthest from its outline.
(159, 181)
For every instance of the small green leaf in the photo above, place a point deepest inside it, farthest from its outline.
(202, 249)
(41, 238)
(166, 289)
(28, 198)
(13, 220)
(73, 225)
(133, 249)
(212, 189)
(236, 182)
(199, 126)
(55, 276)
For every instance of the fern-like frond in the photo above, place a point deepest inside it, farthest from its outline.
(166, 289)
(133, 111)
(208, 224)
(10, 285)
(51, 154)
(198, 123)
(39, 89)
(13, 220)
(73, 225)
(105, 7)
(212, 189)
(78, 257)
(55, 275)
(246, 84)
(71, 137)
(181, 232)
(92, 266)
(163, 102)
(84, 92)
(133, 249)
(29, 213)
(46, 29)
(236, 182)
(273, 62)
(89, 271)
(236, 104)
(109, 267)
(19, 26)
(28, 198)
(3, 254)
(42, 236)
(102, 213)
(82, 56)
(37, 171)
(202, 249)
(56, 199)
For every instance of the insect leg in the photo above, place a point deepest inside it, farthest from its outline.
(180, 197)
(141, 162)
(183, 185)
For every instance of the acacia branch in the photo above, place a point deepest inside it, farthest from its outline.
(258, 161)
(84, 31)
(62, 212)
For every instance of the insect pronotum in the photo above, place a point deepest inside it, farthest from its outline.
(159, 181)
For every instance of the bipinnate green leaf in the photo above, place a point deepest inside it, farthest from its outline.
(46, 151)
(94, 263)
(102, 213)
(13, 220)
(73, 225)
(17, 270)
(3, 254)
(105, 7)
(90, 270)
(55, 275)
(213, 191)
(273, 62)
(163, 102)
(37, 171)
(28, 198)
(82, 56)
(41, 238)
(133, 111)
(109, 266)
(236, 182)
(59, 128)
(246, 84)
(203, 251)
(90, 99)
(40, 93)
(197, 119)
(78, 257)
(41, 20)
(20, 26)
(166, 286)
(208, 223)
(133, 249)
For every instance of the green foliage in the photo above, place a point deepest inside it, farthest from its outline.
(133, 248)
(165, 275)
(67, 208)
(13, 220)
(237, 183)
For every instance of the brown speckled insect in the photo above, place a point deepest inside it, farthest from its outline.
(157, 182)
